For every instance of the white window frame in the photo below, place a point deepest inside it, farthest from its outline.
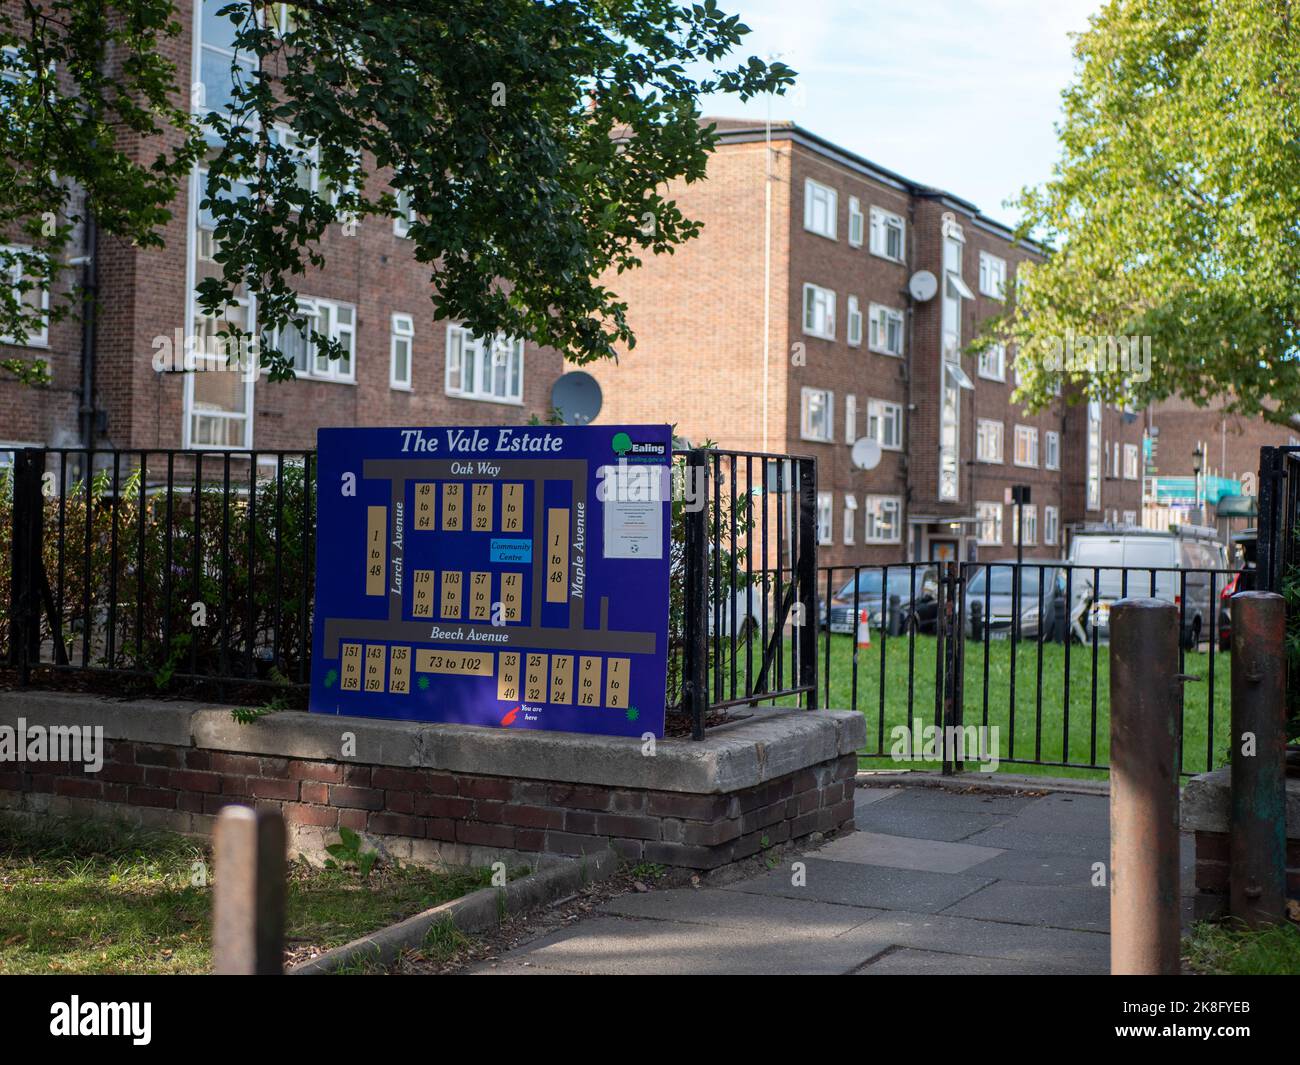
(1132, 463)
(853, 323)
(825, 518)
(1129, 517)
(1029, 518)
(1029, 434)
(881, 318)
(819, 199)
(402, 221)
(818, 311)
(1051, 525)
(880, 414)
(486, 355)
(35, 338)
(850, 518)
(807, 429)
(993, 276)
(990, 430)
(401, 332)
(882, 222)
(988, 512)
(850, 419)
(1052, 450)
(876, 506)
(317, 367)
(1094, 466)
(993, 363)
(857, 222)
(290, 140)
(198, 100)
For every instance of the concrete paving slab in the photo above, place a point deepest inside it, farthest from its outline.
(868, 886)
(1006, 836)
(1078, 908)
(740, 909)
(902, 852)
(908, 962)
(976, 802)
(618, 945)
(867, 796)
(902, 817)
(1082, 815)
(1061, 870)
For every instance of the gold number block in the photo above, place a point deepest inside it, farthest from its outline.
(512, 595)
(424, 516)
(535, 679)
(588, 681)
(452, 584)
(557, 555)
(616, 682)
(376, 549)
(508, 676)
(471, 663)
(399, 671)
(422, 593)
(562, 679)
(480, 597)
(376, 666)
(512, 508)
(481, 517)
(350, 668)
(453, 496)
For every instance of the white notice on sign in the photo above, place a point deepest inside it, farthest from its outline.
(633, 498)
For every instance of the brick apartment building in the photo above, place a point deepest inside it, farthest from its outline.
(373, 297)
(789, 326)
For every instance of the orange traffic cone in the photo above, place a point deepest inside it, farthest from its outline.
(864, 629)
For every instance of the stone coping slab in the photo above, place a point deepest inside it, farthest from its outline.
(1206, 799)
(765, 746)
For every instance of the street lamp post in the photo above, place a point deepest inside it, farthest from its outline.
(1198, 464)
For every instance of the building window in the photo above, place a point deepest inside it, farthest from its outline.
(886, 330)
(951, 376)
(1130, 517)
(988, 440)
(218, 400)
(305, 159)
(1094, 455)
(819, 311)
(993, 276)
(1030, 519)
(854, 327)
(405, 214)
(334, 321)
(887, 230)
(1052, 450)
(1051, 525)
(401, 341)
(221, 69)
(988, 528)
(850, 418)
(818, 414)
(1026, 453)
(850, 517)
(33, 300)
(820, 203)
(1131, 467)
(885, 424)
(993, 362)
(825, 517)
(883, 520)
(855, 222)
(478, 368)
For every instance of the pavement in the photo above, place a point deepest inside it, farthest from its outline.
(932, 881)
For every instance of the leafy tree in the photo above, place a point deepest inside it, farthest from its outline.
(530, 143)
(1173, 210)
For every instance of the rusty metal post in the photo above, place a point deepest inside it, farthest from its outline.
(248, 896)
(1257, 821)
(1144, 735)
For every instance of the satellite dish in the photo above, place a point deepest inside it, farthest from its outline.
(866, 453)
(923, 286)
(576, 395)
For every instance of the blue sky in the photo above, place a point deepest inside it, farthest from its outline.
(961, 94)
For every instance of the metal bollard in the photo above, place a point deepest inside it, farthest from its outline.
(1257, 821)
(248, 896)
(1144, 742)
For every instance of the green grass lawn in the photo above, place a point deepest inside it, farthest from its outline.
(83, 897)
(1034, 726)
(1224, 950)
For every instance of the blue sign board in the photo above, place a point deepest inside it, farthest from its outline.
(507, 576)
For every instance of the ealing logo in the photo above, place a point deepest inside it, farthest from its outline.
(55, 743)
(79, 1018)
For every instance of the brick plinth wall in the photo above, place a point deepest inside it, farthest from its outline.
(429, 813)
(1212, 873)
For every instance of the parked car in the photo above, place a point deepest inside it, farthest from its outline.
(992, 594)
(916, 588)
(1169, 565)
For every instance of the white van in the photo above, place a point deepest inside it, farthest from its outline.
(1176, 566)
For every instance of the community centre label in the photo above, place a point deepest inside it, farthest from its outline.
(507, 576)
